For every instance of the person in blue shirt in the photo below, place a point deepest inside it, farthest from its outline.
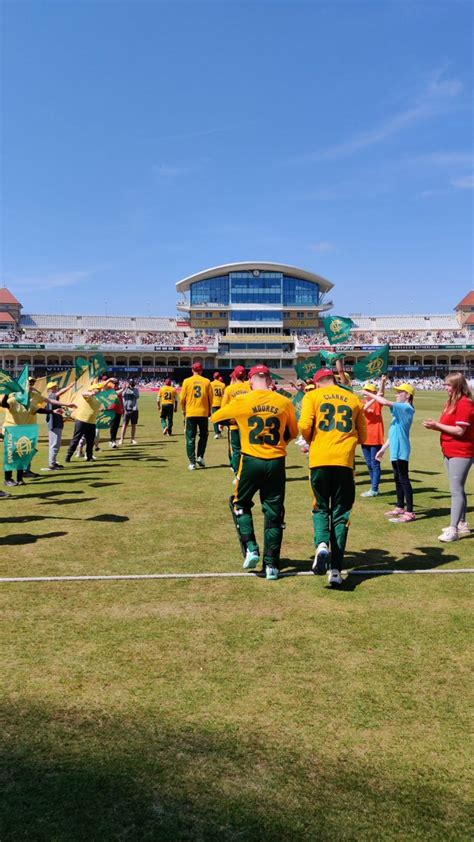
(403, 411)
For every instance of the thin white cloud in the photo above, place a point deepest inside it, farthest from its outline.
(44, 283)
(435, 98)
(464, 183)
(442, 159)
(321, 247)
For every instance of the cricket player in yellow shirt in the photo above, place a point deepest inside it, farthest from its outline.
(218, 387)
(266, 422)
(196, 403)
(167, 403)
(239, 385)
(333, 423)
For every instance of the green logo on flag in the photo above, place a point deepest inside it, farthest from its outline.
(20, 446)
(338, 329)
(308, 368)
(104, 419)
(373, 365)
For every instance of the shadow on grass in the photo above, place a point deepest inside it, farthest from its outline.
(109, 518)
(68, 502)
(103, 484)
(376, 559)
(27, 538)
(85, 776)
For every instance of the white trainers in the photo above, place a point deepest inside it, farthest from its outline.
(448, 535)
(464, 528)
(191, 467)
(334, 578)
(134, 441)
(300, 441)
(321, 559)
(370, 493)
(252, 557)
(200, 461)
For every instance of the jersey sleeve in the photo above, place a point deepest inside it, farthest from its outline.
(307, 417)
(225, 413)
(361, 425)
(182, 397)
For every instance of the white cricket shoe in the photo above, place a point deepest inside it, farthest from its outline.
(334, 578)
(200, 461)
(448, 535)
(252, 558)
(191, 467)
(321, 558)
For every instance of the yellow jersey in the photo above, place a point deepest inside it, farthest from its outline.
(233, 390)
(333, 423)
(87, 409)
(167, 395)
(18, 414)
(196, 397)
(266, 421)
(218, 388)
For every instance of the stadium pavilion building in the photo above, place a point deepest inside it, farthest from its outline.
(233, 314)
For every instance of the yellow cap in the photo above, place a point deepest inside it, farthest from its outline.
(406, 387)
(52, 385)
(370, 387)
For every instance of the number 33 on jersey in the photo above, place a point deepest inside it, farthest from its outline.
(333, 421)
(266, 421)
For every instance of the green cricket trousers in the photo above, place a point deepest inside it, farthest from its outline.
(267, 476)
(234, 450)
(195, 424)
(334, 494)
(166, 415)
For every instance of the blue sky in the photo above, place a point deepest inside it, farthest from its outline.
(144, 141)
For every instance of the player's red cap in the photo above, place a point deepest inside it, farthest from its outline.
(259, 369)
(322, 373)
(239, 371)
(167, 382)
(197, 366)
(216, 375)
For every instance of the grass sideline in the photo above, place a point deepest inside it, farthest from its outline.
(228, 709)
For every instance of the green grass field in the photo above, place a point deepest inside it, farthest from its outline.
(229, 709)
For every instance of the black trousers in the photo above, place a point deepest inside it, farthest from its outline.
(403, 484)
(114, 426)
(82, 428)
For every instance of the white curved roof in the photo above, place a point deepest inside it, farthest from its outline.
(263, 266)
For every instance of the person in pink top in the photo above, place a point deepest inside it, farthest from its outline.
(456, 426)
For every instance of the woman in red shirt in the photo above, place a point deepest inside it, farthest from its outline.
(456, 426)
(375, 437)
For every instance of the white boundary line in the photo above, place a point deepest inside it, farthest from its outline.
(140, 576)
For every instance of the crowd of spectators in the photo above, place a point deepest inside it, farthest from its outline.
(109, 337)
(392, 337)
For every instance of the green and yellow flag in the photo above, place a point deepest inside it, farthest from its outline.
(8, 383)
(285, 393)
(104, 419)
(61, 378)
(297, 401)
(23, 395)
(374, 365)
(81, 365)
(330, 357)
(20, 446)
(308, 367)
(106, 397)
(338, 328)
(97, 365)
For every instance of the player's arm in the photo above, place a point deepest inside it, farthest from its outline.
(307, 417)
(292, 426)
(210, 399)
(182, 397)
(158, 400)
(225, 413)
(383, 381)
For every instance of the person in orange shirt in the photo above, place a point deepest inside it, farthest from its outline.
(375, 436)
(267, 422)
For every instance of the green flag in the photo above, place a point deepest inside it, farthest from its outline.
(104, 419)
(297, 401)
(82, 365)
(373, 365)
(106, 397)
(330, 357)
(276, 376)
(338, 328)
(8, 383)
(308, 367)
(20, 446)
(97, 365)
(23, 394)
